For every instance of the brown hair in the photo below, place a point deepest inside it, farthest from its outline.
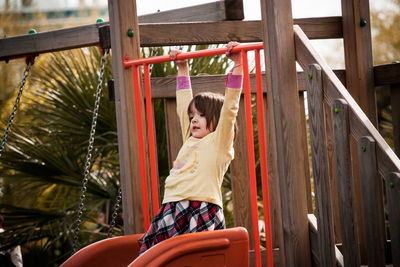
(209, 104)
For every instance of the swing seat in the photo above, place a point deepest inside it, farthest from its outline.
(229, 247)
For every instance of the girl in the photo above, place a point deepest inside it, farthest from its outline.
(192, 199)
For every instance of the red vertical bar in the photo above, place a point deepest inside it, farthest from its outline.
(142, 154)
(151, 139)
(263, 159)
(250, 153)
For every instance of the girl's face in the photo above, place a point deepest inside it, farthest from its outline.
(198, 123)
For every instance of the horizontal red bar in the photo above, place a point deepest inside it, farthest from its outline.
(201, 53)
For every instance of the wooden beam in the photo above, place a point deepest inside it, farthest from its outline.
(214, 11)
(123, 17)
(159, 35)
(284, 103)
(165, 87)
(387, 74)
(234, 9)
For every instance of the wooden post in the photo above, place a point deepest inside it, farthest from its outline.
(283, 102)
(358, 55)
(123, 18)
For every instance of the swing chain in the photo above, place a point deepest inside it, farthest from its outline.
(15, 107)
(88, 162)
(115, 212)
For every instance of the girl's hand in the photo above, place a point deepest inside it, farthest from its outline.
(235, 57)
(183, 66)
(179, 63)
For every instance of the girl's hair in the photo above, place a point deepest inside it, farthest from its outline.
(210, 105)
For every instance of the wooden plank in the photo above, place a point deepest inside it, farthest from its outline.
(123, 17)
(332, 173)
(304, 143)
(313, 226)
(359, 122)
(358, 55)
(274, 187)
(372, 201)
(234, 9)
(240, 177)
(214, 11)
(395, 103)
(158, 35)
(387, 74)
(277, 28)
(174, 137)
(345, 184)
(164, 87)
(393, 196)
(320, 166)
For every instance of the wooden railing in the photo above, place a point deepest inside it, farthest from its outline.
(336, 121)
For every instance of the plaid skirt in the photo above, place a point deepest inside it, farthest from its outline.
(182, 217)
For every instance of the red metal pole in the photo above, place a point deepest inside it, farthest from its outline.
(263, 159)
(251, 156)
(151, 139)
(195, 54)
(143, 174)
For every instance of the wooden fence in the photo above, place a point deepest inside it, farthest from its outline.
(341, 176)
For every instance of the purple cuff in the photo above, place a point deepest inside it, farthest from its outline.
(234, 81)
(182, 82)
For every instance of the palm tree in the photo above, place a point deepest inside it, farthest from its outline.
(46, 153)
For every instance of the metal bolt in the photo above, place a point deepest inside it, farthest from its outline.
(32, 31)
(99, 20)
(363, 148)
(130, 33)
(336, 110)
(310, 76)
(363, 22)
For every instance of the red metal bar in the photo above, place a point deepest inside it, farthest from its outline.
(251, 156)
(142, 159)
(195, 54)
(263, 159)
(151, 139)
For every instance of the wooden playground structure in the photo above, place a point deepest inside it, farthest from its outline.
(356, 175)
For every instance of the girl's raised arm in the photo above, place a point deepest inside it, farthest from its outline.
(183, 93)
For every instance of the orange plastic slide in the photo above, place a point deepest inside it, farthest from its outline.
(228, 247)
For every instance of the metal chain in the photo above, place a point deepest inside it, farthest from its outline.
(88, 163)
(115, 212)
(15, 107)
